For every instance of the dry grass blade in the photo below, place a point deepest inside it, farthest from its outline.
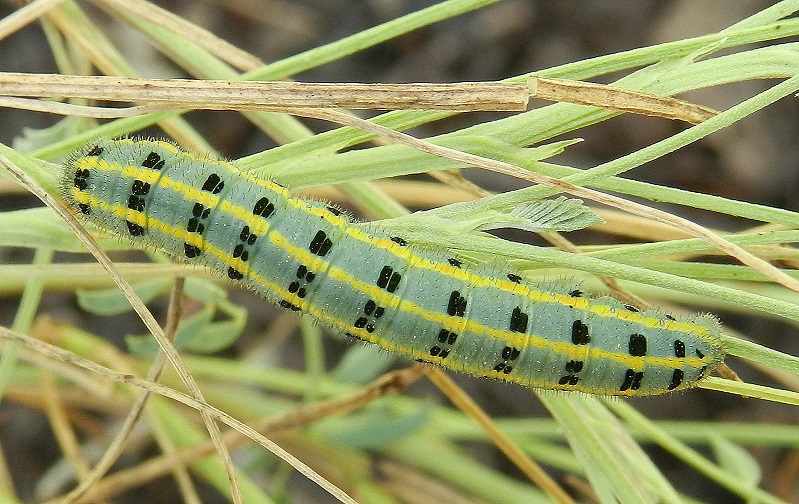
(25, 16)
(274, 96)
(613, 98)
(70, 109)
(532, 470)
(213, 44)
(282, 95)
(117, 445)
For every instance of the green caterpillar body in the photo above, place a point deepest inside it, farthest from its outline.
(419, 303)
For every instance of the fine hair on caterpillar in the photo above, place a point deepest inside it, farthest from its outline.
(420, 303)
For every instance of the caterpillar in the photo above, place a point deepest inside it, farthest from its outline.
(420, 303)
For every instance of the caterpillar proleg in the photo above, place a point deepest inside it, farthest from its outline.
(416, 302)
